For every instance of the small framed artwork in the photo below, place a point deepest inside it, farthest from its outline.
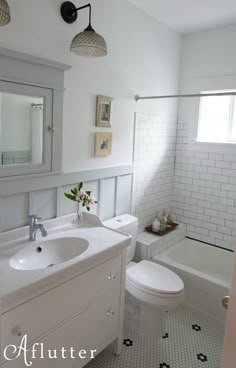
(103, 111)
(103, 144)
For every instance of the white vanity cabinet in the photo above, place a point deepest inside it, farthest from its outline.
(85, 313)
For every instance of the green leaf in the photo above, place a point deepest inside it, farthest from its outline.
(88, 192)
(88, 208)
(80, 185)
(70, 196)
(73, 191)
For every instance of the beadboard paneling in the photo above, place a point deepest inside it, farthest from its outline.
(112, 188)
(107, 198)
(124, 192)
(44, 203)
(14, 211)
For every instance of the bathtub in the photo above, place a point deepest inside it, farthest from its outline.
(205, 271)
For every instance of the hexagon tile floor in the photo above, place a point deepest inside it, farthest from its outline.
(191, 341)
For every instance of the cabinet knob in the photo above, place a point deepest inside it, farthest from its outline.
(16, 331)
(111, 276)
(110, 312)
(225, 302)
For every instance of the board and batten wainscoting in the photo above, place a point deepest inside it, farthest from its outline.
(44, 195)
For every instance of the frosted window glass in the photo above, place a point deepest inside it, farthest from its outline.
(217, 119)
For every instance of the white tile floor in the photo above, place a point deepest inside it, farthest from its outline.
(191, 341)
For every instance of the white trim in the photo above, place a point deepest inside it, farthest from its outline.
(33, 59)
(26, 72)
(25, 184)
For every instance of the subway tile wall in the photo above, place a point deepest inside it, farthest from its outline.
(150, 245)
(204, 193)
(154, 158)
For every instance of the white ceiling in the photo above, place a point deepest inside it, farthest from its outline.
(190, 15)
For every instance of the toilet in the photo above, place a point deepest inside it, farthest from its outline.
(151, 289)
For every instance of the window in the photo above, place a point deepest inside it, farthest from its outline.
(217, 119)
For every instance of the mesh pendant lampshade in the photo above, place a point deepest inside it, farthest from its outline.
(5, 16)
(89, 43)
(86, 43)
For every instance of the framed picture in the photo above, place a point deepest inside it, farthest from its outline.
(103, 144)
(103, 111)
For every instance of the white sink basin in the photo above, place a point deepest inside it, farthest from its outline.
(48, 253)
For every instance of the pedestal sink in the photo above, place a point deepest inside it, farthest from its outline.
(48, 253)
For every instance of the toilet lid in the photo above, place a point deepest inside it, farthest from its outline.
(154, 277)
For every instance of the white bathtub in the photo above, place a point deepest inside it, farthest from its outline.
(206, 272)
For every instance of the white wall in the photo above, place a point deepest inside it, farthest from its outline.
(143, 58)
(208, 54)
(204, 189)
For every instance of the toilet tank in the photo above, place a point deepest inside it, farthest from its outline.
(127, 224)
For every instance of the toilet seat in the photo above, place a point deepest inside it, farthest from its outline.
(154, 279)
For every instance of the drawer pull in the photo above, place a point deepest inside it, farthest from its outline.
(111, 276)
(16, 331)
(110, 312)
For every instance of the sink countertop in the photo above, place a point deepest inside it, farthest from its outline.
(19, 286)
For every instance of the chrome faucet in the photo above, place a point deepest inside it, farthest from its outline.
(34, 226)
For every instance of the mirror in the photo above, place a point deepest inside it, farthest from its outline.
(21, 129)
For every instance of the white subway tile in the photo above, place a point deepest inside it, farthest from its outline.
(216, 156)
(226, 216)
(223, 164)
(202, 155)
(217, 221)
(227, 201)
(203, 218)
(218, 207)
(204, 204)
(224, 230)
(228, 172)
(216, 235)
(209, 226)
(212, 213)
(209, 163)
(214, 170)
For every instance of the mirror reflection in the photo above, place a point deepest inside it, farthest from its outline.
(21, 129)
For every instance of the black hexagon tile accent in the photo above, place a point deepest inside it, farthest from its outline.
(164, 365)
(196, 327)
(128, 342)
(202, 357)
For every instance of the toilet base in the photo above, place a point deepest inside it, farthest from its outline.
(146, 319)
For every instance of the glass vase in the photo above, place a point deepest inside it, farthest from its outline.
(79, 213)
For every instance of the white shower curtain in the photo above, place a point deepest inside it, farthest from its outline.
(37, 134)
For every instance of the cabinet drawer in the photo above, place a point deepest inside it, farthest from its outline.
(46, 311)
(94, 328)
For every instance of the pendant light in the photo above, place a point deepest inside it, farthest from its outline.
(87, 43)
(5, 16)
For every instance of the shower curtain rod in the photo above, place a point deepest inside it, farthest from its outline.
(138, 98)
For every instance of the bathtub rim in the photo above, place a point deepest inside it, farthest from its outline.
(163, 257)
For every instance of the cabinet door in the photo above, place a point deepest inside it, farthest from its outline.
(44, 313)
(94, 329)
